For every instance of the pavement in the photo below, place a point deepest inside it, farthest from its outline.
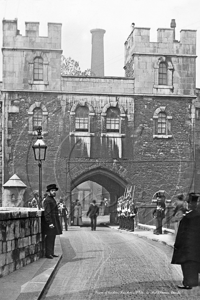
(29, 282)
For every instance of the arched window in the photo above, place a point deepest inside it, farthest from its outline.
(37, 117)
(113, 119)
(82, 118)
(162, 123)
(38, 69)
(162, 74)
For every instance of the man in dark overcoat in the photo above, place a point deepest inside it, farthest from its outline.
(187, 245)
(93, 212)
(51, 224)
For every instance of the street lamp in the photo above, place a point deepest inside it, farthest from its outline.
(39, 149)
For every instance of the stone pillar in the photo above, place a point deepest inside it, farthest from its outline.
(13, 192)
(97, 60)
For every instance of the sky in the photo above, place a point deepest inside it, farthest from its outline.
(78, 17)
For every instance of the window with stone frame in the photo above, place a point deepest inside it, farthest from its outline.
(38, 69)
(197, 113)
(162, 123)
(113, 119)
(37, 117)
(82, 119)
(162, 74)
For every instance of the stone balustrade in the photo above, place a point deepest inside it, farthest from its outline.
(21, 239)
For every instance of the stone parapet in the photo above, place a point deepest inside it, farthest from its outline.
(100, 85)
(21, 239)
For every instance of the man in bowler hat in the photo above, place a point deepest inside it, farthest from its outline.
(52, 225)
(93, 212)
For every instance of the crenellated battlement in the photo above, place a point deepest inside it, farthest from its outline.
(144, 60)
(139, 41)
(12, 37)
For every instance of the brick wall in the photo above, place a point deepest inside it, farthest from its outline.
(21, 241)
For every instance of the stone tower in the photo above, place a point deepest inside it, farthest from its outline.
(143, 59)
(97, 62)
(19, 53)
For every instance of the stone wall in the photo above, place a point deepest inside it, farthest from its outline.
(21, 241)
(147, 161)
(119, 86)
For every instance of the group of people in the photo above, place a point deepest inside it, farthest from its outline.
(127, 214)
(187, 228)
(186, 220)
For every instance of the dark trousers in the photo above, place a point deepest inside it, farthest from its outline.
(63, 218)
(66, 222)
(132, 223)
(158, 222)
(93, 222)
(49, 244)
(120, 222)
(190, 271)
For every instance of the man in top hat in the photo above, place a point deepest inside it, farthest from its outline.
(187, 244)
(52, 225)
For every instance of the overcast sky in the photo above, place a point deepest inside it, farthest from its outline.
(78, 17)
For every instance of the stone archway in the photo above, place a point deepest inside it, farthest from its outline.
(112, 182)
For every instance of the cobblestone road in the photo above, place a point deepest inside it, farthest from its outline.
(108, 264)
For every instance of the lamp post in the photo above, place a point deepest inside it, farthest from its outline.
(39, 149)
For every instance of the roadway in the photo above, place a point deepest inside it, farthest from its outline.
(111, 264)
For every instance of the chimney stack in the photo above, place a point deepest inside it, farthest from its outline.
(97, 62)
(173, 25)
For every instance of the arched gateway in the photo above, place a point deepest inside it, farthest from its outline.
(108, 179)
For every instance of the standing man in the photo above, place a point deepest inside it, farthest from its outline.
(93, 212)
(159, 213)
(132, 216)
(179, 211)
(78, 214)
(63, 213)
(35, 200)
(187, 244)
(52, 225)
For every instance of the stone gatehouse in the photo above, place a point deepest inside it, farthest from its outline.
(136, 129)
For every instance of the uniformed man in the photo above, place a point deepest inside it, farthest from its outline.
(119, 211)
(123, 214)
(159, 213)
(132, 215)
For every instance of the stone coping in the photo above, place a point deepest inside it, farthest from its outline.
(8, 213)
